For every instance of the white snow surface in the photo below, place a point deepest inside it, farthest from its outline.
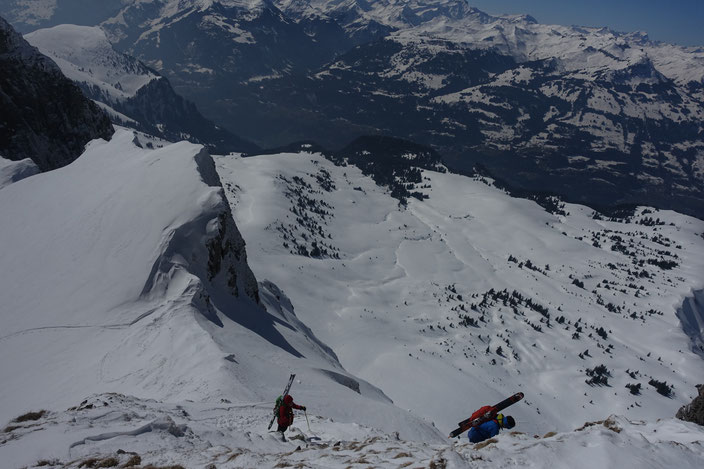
(393, 303)
(113, 325)
(113, 429)
(85, 55)
(107, 286)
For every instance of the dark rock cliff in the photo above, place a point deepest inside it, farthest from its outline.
(44, 116)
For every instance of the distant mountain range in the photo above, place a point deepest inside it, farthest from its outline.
(133, 94)
(601, 117)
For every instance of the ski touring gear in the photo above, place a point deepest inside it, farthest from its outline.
(307, 421)
(279, 400)
(485, 414)
(286, 412)
(483, 432)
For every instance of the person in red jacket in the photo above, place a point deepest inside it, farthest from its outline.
(286, 413)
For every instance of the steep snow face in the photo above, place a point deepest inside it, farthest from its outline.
(471, 295)
(87, 275)
(85, 55)
(125, 272)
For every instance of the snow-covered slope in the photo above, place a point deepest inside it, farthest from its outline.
(117, 430)
(471, 295)
(132, 94)
(124, 272)
(84, 55)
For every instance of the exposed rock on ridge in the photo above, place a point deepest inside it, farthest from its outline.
(45, 116)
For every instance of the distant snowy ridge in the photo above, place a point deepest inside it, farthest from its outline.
(45, 116)
(85, 56)
(577, 48)
(132, 94)
(13, 171)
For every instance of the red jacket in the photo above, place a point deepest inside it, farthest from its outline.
(286, 411)
(480, 412)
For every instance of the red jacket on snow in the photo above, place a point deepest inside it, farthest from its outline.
(286, 411)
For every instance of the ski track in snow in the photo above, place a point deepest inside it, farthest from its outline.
(87, 326)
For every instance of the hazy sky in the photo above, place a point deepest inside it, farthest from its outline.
(676, 21)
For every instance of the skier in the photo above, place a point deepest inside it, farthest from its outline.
(286, 414)
(490, 428)
(486, 414)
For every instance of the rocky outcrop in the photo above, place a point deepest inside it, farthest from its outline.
(13, 171)
(45, 116)
(159, 111)
(694, 411)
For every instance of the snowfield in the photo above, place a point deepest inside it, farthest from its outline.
(85, 55)
(131, 319)
(471, 295)
(124, 272)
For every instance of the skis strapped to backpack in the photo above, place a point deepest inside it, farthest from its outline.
(491, 414)
(280, 398)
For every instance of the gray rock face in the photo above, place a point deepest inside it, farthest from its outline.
(132, 94)
(694, 412)
(45, 116)
(160, 111)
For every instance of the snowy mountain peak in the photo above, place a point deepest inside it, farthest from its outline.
(392, 13)
(85, 55)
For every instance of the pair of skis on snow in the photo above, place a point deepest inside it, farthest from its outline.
(491, 414)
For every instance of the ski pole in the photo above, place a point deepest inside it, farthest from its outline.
(307, 422)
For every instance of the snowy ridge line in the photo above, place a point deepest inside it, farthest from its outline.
(154, 236)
